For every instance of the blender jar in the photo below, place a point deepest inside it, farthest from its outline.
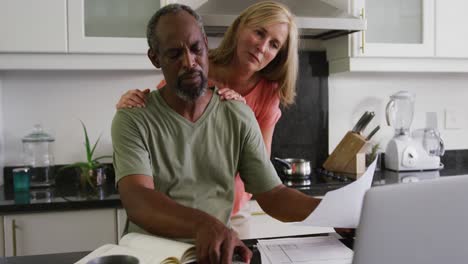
(399, 112)
(38, 156)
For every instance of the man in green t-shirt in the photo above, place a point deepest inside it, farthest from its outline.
(175, 159)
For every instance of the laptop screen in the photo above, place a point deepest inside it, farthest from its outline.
(423, 222)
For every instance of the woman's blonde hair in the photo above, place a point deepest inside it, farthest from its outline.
(283, 68)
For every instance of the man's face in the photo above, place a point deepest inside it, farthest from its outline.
(182, 55)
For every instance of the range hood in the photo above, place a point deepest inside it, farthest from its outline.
(316, 19)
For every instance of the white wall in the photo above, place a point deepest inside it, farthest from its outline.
(57, 100)
(353, 93)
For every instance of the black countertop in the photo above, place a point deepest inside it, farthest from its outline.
(66, 195)
(58, 198)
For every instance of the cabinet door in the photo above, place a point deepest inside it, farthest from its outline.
(395, 28)
(121, 222)
(33, 26)
(2, 241)
(109, 26)
(451, 28)
(45, 233)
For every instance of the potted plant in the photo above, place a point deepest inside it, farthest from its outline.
(91, 171)
(374, 154)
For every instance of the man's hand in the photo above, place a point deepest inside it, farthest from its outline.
(215, 243)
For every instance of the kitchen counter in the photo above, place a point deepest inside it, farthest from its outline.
(58, 198)
(65, 196)
(323, 181)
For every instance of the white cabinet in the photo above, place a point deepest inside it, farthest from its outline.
(33, 26)
(400, 37)
(451, 28)
(58, 232)
(81, 34)
(121, 222)
(2, 241)
(395, 28)
(112, 26)
(109, 26)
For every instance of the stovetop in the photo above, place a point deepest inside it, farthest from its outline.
(322, 181)
(319, 181)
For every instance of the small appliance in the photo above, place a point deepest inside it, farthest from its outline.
(410, 152)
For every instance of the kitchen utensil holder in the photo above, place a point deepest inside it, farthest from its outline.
(349, 156)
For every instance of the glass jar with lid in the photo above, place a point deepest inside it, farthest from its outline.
(39, 157)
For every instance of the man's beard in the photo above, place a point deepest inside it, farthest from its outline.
(191, 93)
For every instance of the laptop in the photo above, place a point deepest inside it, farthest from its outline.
(414, 223)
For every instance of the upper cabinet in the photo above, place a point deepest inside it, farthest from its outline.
(395, 28)
(77, 26)
(451, 28)
(33, 26)
(404, 36)
(109, 26)
(401, 35)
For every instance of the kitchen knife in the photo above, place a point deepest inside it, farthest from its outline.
(366, 121)
(372, 133)
(359, 122)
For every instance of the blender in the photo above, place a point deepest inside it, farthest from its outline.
(406, 152)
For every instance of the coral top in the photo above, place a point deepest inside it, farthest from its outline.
(264, 101)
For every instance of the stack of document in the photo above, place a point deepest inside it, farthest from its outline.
(304, 250)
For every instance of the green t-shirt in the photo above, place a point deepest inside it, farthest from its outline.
(193, 163)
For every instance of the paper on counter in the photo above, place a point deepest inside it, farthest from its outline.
(304, 250)
(342, 207)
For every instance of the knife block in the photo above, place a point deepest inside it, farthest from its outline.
(348, 157)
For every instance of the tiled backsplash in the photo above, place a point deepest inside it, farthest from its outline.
(302, 131)
(455, 161)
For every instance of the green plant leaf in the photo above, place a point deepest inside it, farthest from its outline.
(87, 146)
(75, 165)
(94, 147)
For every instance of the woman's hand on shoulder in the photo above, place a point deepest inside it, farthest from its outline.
(133, 98)
(229, 94)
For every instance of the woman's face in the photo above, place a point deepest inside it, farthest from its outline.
(258, 46)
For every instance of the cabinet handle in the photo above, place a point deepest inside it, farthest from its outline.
(363, 33)
(13, 228)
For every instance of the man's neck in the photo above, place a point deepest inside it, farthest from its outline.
(191, 111)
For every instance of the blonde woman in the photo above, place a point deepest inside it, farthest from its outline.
(257, 63)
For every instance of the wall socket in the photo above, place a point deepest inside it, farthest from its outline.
(455, 119)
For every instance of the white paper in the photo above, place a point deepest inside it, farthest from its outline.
(305, 250)
(342, 207)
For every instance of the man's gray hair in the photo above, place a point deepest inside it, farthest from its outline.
(151, 34)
